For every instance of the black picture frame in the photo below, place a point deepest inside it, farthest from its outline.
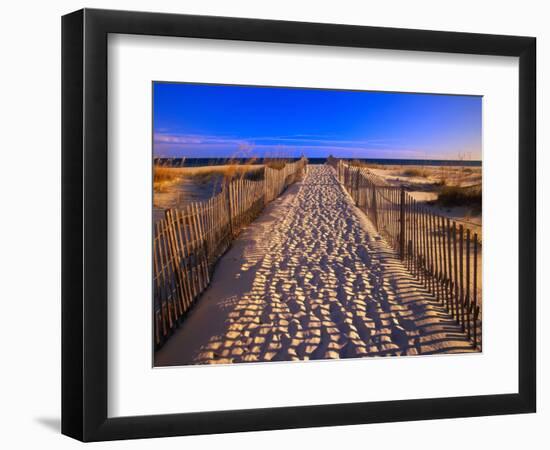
(84, 224)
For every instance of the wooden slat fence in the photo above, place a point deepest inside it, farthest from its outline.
(443, 255)
(188, 242)
(277, 180)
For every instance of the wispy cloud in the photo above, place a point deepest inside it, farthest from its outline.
(169, 138)
(296, 140)
(213, 146)
(193, 145)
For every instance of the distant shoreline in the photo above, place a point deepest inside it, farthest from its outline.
(196, 162)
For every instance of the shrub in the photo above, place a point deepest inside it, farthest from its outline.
(414, 172)
(459, 196)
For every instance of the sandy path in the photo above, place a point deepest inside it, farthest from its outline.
(311, 279)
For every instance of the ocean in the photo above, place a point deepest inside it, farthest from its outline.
(196, 162)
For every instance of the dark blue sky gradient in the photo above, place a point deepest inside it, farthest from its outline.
(197, 120)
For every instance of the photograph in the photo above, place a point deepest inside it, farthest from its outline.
(300, 224)
(260, 225)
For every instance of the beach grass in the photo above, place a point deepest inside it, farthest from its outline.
(166, 177)
(414, 172)
(368, 165)
(451, 196)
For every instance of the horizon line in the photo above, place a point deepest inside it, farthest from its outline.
(318, 157)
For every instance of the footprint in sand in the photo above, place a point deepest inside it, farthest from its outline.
(323, 288)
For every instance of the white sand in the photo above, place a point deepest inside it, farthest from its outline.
(453, 175)
(425, 189)
(311, 279)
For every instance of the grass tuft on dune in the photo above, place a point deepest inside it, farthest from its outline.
(415, 172)
(166, 177)
(163, 177)
(450, 196)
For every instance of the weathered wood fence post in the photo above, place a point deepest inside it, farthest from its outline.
(402, 224)
(374, 206)
(357, 187)
(229, 208)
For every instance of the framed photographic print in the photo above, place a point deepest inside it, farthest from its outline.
(273, 224)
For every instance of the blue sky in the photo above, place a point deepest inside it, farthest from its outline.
(198, 120)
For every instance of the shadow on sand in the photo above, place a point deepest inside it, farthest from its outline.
(311, 279)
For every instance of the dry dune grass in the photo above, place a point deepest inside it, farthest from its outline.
(228, 171)
(174, 187)
(368, 165)
(166, 177)
(456, 196)
(415, 172)
(436, 176)
(452, 191)
(457, 175)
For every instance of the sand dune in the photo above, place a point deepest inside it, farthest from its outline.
(311, 279)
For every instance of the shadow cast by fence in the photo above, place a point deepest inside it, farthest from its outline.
(444, 257)
(316, 286)
(188, 242)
